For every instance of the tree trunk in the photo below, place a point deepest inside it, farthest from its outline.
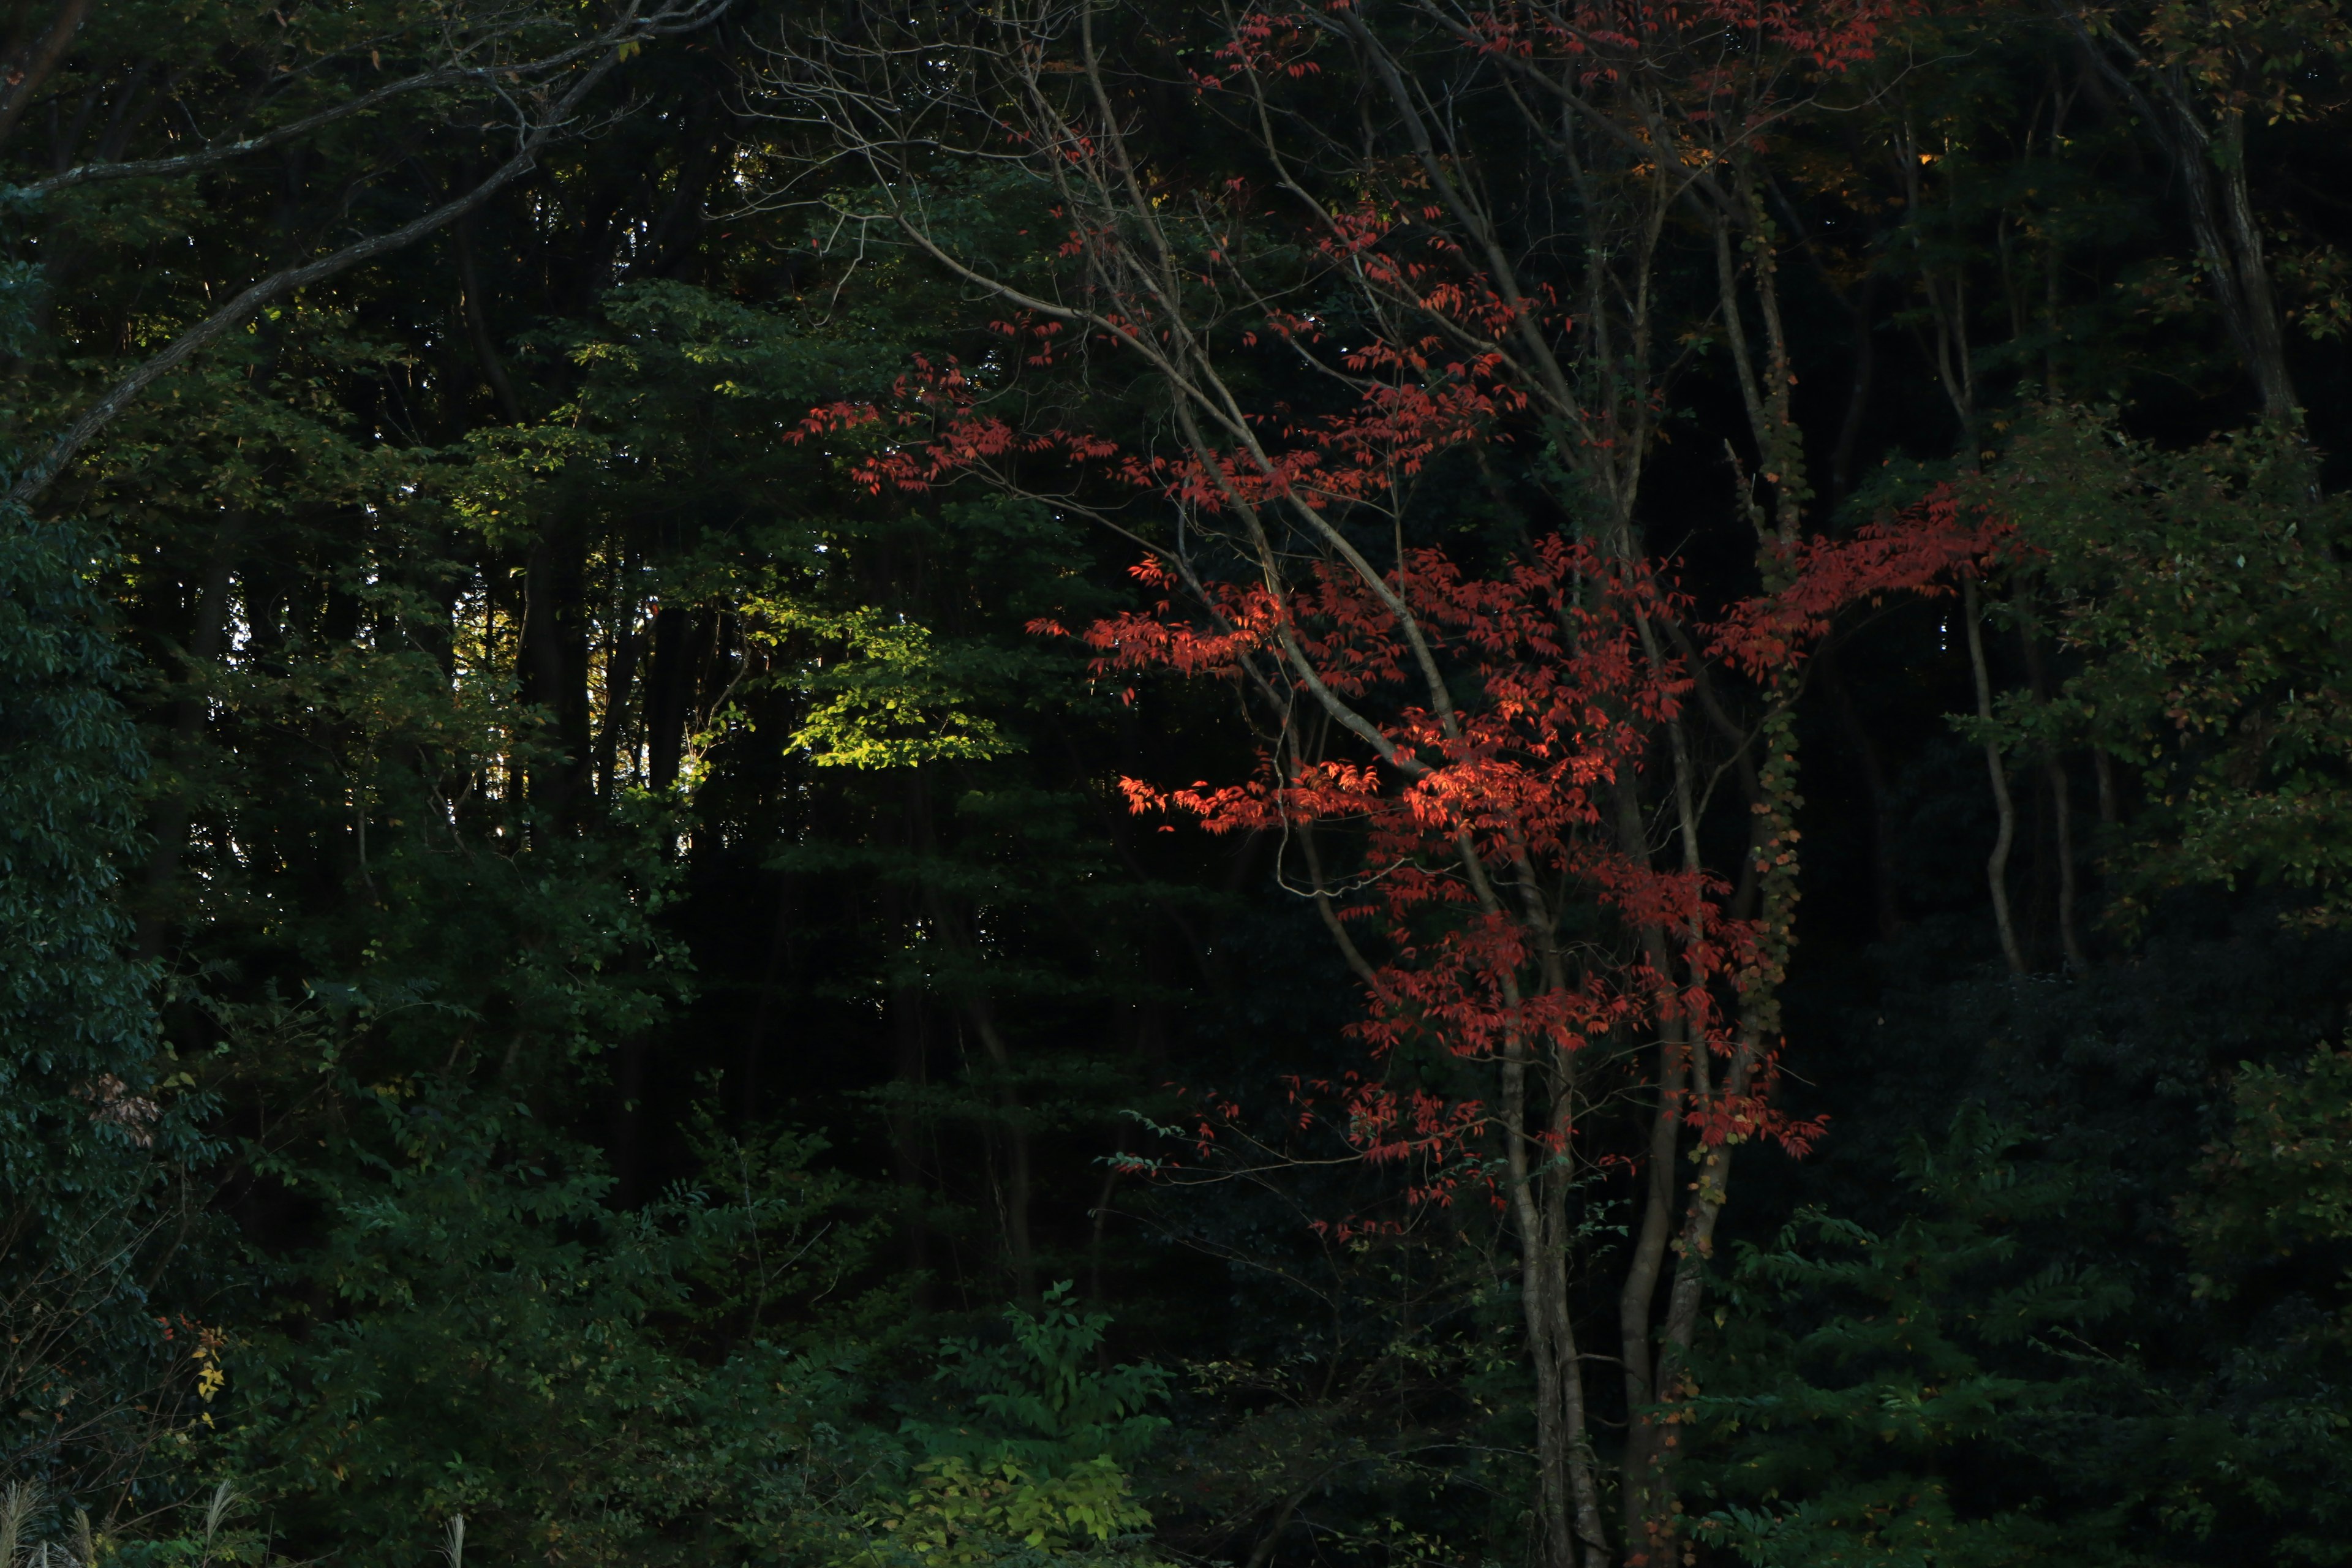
(910, 1074)
(2005, 809)
(620, 690)
(1568, 1498)
(554, 674)
(1020, 1245)
(680, 643)
(169, 825)
(2062, 792)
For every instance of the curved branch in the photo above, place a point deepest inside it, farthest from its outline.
(38, 476)
(226, 151)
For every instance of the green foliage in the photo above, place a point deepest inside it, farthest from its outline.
(515, 727)
(2272, 1217)
(1042, 1402)
(92, 1119)
(2209, 593)
(961, 1513)
(74, 1008)
(2280, 1185)
(1857, 1371)
(1964, 1389)
(1027, 1463)
(490, 1338)
(892, 703)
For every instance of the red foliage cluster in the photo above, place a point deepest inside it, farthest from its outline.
(1557, 695)
(1906, 554)
(1561, 698)
(1264, 43)
(1564, 700)
(1473, 818)
(945, 399)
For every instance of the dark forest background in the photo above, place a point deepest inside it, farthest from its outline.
(579, 982)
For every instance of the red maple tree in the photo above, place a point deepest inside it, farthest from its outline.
(1457, 759)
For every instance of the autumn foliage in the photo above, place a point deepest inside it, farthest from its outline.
(1518, 780)
(1561, 698)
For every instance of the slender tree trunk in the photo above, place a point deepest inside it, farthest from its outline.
(2061, 793)
(1567, 1498)
(2240, 271)
(169, 826)
(2061, 804)
(1643, 1481)
(1760, 1031)
(910, 1075)
(1767, 390)
(620, 693)
(2208, 167)
(2005, 809)
(1858, 393)
(681, 641)
(478, 324)
(554, 674)
(980, 1011)
(1020, 1246)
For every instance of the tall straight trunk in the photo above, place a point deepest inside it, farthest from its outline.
(681, 642)
(207, 635)
(1644, 1480)
(620, 693)
(2062, 790)
(1020, 1245)
(554, 673)
(979, 1008)
(1568, 1496)
(1766, 388)
(477, 325)
(1956, 369)
(1863, 382)
(2203, 136)
(909, 1075)
(168, 828)
(2004, 808)
(2210, 163)
(1758, 1034)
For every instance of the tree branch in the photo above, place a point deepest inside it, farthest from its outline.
(38, 474)
(25, 78)
(223, 152)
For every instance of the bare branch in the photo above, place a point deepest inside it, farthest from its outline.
(226, 152)
(617, 42)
